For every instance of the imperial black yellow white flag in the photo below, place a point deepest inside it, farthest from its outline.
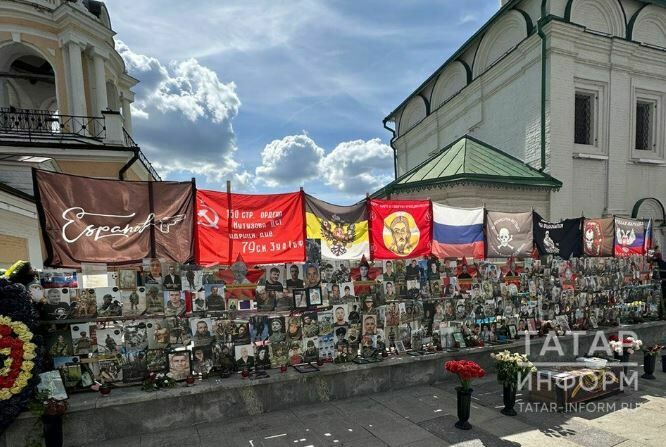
(342, 230)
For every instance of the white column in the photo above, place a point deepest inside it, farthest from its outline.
(127, 115)
(100, 84)
(77, 90)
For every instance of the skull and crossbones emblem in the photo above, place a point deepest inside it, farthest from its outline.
(504, 238)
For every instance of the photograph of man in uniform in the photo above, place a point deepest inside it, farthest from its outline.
(215, 297)
(389, 291)
(334, 296)
(389, 274)
(110, 304)
(61, 347)
(294, 331)
(354, 317)
(171, 281)
(264, 299)
(294, 282)
(327, 273)
(81, 340)
(363, 270)
(311, 351)
(239, 270)
(179, 365)
(276, 330)
(201, 329)
(348, 293)
(400, 235)
(154, 300)
(127, 279)
(131, 302)
(175, 305)
(412, 271)
(310, 324)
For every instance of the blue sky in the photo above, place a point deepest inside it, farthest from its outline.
(281, 94)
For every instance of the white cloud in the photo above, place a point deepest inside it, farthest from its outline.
(291, 160)
(186, 115)
(352, 168)
(357, 167)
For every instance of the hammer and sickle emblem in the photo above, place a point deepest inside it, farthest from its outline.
(205, 219)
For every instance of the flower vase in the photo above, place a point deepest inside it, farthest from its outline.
(509, 400)
(105, 390)
(624, 358)
(52, 430)
(649, 363)
(464, 404)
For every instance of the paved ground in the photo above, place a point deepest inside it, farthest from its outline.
(424, 416)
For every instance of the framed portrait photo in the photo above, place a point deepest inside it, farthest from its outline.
(180, 365)
(459, 339)
(52, 382)
(314, 297)
(531, 325)
(400, 346)
(300, 298)
(513, 331)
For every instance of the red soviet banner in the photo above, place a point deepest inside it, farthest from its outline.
(263, 229)
(400, 228)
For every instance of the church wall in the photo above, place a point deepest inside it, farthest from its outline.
(609, 178)
(500, 107)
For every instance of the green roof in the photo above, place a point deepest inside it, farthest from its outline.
(469, 160)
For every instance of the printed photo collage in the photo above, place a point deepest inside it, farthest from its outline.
(320, 312)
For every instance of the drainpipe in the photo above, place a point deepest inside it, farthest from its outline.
(135, 157)
(542, 35)
(395, 152)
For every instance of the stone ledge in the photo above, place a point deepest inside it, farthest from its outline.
(92, 418)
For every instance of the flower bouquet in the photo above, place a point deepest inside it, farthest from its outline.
(628, 345)
(511, 367)
(650, 361)
(157, 381)
(466, 371)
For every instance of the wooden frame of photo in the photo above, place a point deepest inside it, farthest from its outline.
(309, 296)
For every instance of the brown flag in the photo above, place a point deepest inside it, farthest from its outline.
(111, 221)
(598, 237)
(509, 234)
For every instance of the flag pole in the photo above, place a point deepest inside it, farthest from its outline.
(229, 215)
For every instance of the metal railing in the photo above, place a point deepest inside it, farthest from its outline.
(41, 123)
(129, 142)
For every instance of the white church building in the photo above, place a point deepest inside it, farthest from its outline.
(65, 106)
(558, 105)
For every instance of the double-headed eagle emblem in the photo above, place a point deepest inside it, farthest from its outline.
(337, 236)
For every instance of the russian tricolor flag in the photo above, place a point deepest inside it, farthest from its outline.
(457, 232)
